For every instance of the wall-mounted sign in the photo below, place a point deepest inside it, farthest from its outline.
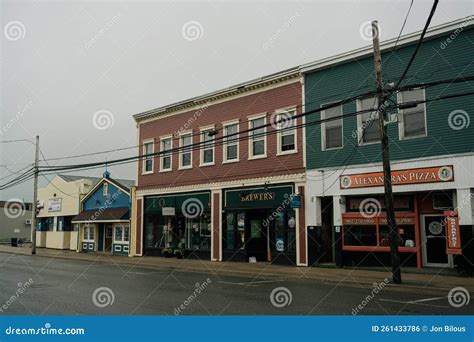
(55, 204)
(168, 211)
(435, 174)
(452, 232)
(295, 202)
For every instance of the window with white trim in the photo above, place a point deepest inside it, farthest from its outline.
(185, 156)
(148, 159)
(286, 131)
(105, 189)
(413, 120)
(368, 123)
(165, 155)
(121, 233)
(257, 137)
(89, 231)
(207, 147)
(331, 131)
(231, 143)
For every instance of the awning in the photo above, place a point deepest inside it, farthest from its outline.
(101, 214)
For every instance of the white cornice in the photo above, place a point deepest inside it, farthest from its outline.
(296, 178)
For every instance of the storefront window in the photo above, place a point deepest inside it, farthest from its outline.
(360, 235)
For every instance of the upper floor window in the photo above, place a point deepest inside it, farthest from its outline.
(185, 156)
(105, 189)
(413, 120)
(331, 131)
(257, 144)
(368, 123)
(286, 132)
(207, 147)
(165, 156)
(231, 142)
(148, 159)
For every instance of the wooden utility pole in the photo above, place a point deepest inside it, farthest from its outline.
(35, 199)
(387, 172)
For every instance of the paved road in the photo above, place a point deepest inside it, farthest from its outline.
(66, 287)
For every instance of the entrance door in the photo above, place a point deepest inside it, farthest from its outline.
(256, 231)
(108, 238)
(434, 241)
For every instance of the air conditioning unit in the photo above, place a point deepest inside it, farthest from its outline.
(28, 221)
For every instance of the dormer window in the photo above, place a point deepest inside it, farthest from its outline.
(105, 189)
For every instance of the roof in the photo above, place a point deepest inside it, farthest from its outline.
(406, 39)
(128, 183)
(109, 214)
(222, 93)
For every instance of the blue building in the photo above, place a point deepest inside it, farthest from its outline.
(103, 224)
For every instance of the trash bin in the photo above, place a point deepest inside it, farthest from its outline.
(14, 242)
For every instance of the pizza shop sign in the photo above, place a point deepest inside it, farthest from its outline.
(435, 174)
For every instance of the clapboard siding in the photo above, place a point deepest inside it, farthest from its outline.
(357, 77)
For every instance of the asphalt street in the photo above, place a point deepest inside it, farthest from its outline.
(54, 286)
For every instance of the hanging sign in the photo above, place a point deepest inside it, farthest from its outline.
(434, 174)
(168, 211)
(452, 232)
(295, 202)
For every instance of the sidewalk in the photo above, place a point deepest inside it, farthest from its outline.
(412, 282)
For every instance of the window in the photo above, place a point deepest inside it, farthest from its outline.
(257, 138)
(231, 144)
(331, 131)
(185, 160)
(105, 189)
(89, 231)
(368, 123)
(148, 160)
(121, 234)
(413, 120)
(165, 154)
(286, 132)
(207, 148)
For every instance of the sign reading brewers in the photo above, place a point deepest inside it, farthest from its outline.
(399, 177)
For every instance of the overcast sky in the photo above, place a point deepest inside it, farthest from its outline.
(75, 72)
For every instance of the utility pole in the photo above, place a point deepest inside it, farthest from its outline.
(387, 172)
(35, 199)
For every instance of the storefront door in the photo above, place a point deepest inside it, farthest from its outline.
(108, 238)
(257, 242)
(434, 241)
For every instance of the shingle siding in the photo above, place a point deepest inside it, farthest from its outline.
(433, 62)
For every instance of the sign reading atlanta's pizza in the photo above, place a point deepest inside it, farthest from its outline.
(399, 177)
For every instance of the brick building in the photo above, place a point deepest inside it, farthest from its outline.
(232, 194)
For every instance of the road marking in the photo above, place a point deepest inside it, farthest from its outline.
(418, 301)
(250, 283)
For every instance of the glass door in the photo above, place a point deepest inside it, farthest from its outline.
(434, 241)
